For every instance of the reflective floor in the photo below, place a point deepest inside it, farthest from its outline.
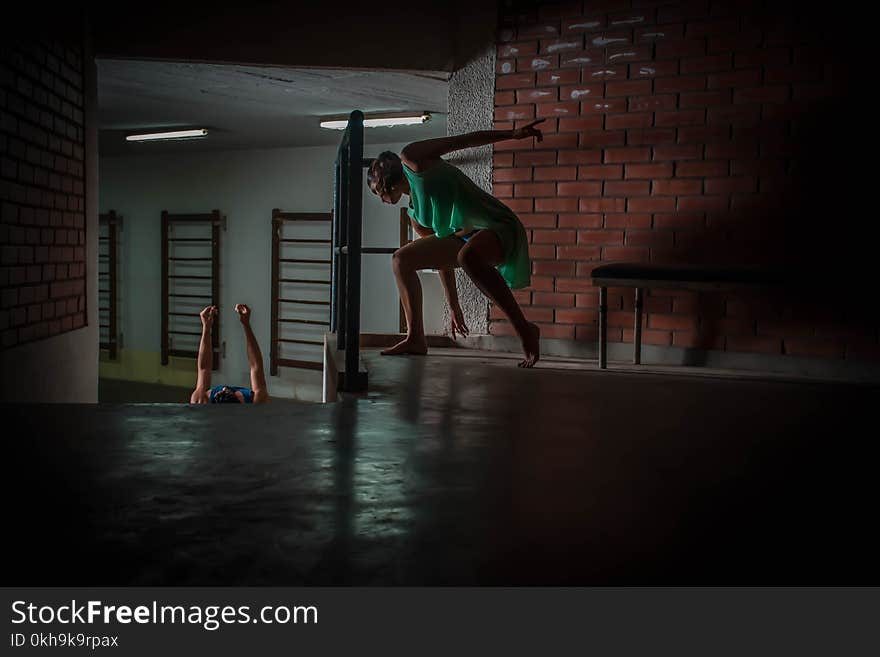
(454, 470)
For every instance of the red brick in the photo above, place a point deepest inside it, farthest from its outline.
(632, 171)
(651, 137)
(704, 99)
(581, 220)
(679, 49)
(552, 268)
(514, 112)
(564, 44)
(537, 63)
(557, 109)
(520, 204)
(602, 205)
(577, 316)
(539, 30)
(544, 283)
(515, 81)
(574, 285)
(505, 98)
(649, 238)
(554, 237)
(600, 237)
(601, 172)
(679, 84)
(712, 63)
(680, 118)
(578, 252)
(537, 96)
(580, 59)
(535, 189)
(701, 169)
(736, 79)
(617, 155)
(763, 57)
(558, 77)
(580, 156)
(654, 204)
(777, 94)
(653, 103)
(502, 190)
(579, 188)
(653, 69)
(631, 220)
(556, 299)
(505, 66)
(542, 251)
(702, 203)
(672, 322)
(676, 187)
(556, 204)
(581, 92)
(556, 173)
(730, 185)
(686, 152)
(712, 27)
(538, 220)
(703, 135)
(589, 299)
(536, 158)
(512, 175)
(629, 88)
(625, 253)
(604, 106)
(519, 49)
(625, 54)
(601, 139)
(629, 188)
(632, 120)
(584, 23)
(580, 124)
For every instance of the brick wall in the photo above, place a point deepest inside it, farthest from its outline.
(42, 178)
(698, 132)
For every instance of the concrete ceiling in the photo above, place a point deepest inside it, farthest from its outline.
(256, 106)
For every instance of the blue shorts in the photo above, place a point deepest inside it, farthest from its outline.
(465, 238)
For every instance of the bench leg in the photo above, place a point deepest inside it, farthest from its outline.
(603, 327)
(637, 340)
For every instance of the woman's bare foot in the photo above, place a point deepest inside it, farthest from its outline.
(415, 346)
(531, 343)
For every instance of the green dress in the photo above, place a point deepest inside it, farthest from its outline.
(445, 200)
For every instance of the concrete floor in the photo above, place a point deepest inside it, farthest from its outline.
(455, 470)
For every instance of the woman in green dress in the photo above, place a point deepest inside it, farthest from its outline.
(459, 225)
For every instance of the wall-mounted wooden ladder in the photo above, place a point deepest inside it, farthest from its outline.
(190, 281)
(300, 289)
(109, 228)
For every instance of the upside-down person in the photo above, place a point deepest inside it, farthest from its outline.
(258, 393)
(459, 225)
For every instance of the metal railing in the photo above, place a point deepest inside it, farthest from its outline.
(345, 286)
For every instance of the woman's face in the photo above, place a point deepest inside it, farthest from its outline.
(391, 197)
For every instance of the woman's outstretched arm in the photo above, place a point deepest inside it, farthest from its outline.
(429, 150)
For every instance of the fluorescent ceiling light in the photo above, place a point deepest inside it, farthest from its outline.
(378, 121)
(176, 134)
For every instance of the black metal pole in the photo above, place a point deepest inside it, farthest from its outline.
(354, 176)
(343, 225)
(334, 250)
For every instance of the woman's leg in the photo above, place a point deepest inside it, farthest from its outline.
(478, 258)
(424, 253)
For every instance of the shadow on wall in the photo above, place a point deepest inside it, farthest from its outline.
(799, 202)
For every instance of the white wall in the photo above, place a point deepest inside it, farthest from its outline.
(244, 186)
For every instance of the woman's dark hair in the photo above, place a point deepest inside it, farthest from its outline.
(385, 172)
(225, 396)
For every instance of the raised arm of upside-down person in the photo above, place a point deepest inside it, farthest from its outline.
(422, 154)
(205, 362)
(255, 357)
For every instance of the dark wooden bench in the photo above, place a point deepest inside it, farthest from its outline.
(643, 276)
